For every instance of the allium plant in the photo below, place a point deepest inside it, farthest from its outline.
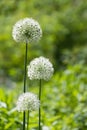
(26, 30)
(41, 69)
(27, 102)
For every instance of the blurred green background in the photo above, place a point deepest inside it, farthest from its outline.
(64, 42)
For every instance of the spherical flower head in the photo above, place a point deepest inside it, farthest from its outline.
(40, 68)
(27, 101)
(27, 30)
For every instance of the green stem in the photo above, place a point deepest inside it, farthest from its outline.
(25, 67)
(24, 89)
(40, 107)
(28, 120)
(24, 120)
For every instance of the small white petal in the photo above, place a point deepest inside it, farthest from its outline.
(45, 128)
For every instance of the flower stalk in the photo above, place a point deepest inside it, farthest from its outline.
(25, 66)
(28, 120)
(40, 107)
(24, 89)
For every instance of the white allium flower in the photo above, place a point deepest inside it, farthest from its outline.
(40, 68)
(27, 101)
(27, 30)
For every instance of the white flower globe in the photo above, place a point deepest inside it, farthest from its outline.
(27, 101)
(40, 68)
(27, 30)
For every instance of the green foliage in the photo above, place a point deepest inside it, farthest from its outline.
(64, 103)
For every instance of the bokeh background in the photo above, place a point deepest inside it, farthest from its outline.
(64, 42)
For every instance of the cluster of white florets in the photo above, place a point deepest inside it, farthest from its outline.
(40, 68)
(27, 101)
(27, 30)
